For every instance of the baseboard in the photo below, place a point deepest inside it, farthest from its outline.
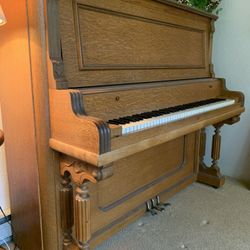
(5, 228)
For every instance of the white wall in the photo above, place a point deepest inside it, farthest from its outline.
(231, 58)
(4, 191)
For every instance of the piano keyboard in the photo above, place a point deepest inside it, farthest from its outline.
(138, 122)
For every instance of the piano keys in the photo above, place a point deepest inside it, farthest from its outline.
(134, 123)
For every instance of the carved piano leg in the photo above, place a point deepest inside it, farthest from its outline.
(80, 174)
(66, 202)
(211, 175)
(82, 216)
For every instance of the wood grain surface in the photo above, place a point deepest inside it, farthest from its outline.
(17, 106)
(119, 103)
(104, 43)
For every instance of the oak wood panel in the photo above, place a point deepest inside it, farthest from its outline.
(134, 56)
(149, 43)
(148, 167)
(97, 239)
(67, 127)
(133, 101)
(163, 159)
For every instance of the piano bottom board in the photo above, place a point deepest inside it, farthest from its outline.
(163, 170)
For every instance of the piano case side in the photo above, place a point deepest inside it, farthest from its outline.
(74, 133)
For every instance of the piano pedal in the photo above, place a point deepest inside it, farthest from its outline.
(150, 209)
(156, 205)
(160, 204)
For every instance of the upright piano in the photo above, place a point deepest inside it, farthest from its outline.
(133, 89)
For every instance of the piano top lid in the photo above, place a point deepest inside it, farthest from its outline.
(98, 43)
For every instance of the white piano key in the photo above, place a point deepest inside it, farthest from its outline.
(172, 117)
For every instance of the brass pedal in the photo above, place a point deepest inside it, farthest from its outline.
(160, 204)
(157, 206)
(150, 209)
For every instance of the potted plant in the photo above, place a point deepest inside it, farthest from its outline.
(205, 5)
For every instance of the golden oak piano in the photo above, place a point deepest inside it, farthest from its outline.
(133, 90)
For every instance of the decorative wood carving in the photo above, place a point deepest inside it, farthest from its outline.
(82, 171)
(66, 202)
(79, 172)
(202, 152)
(82, 216)
(212, 30)
(211, 175)
(55, 49)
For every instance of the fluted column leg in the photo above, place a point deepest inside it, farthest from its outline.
(81, 174)
(82, 216)
(66, 203)
(211, 175)
(215, 154)
(203, 139)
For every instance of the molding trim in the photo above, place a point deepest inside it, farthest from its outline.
(77, 103)
(77, 106)
(55, 48)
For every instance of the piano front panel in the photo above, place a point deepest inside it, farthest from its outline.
(141, 177)
(119, 103)
(145, 41)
